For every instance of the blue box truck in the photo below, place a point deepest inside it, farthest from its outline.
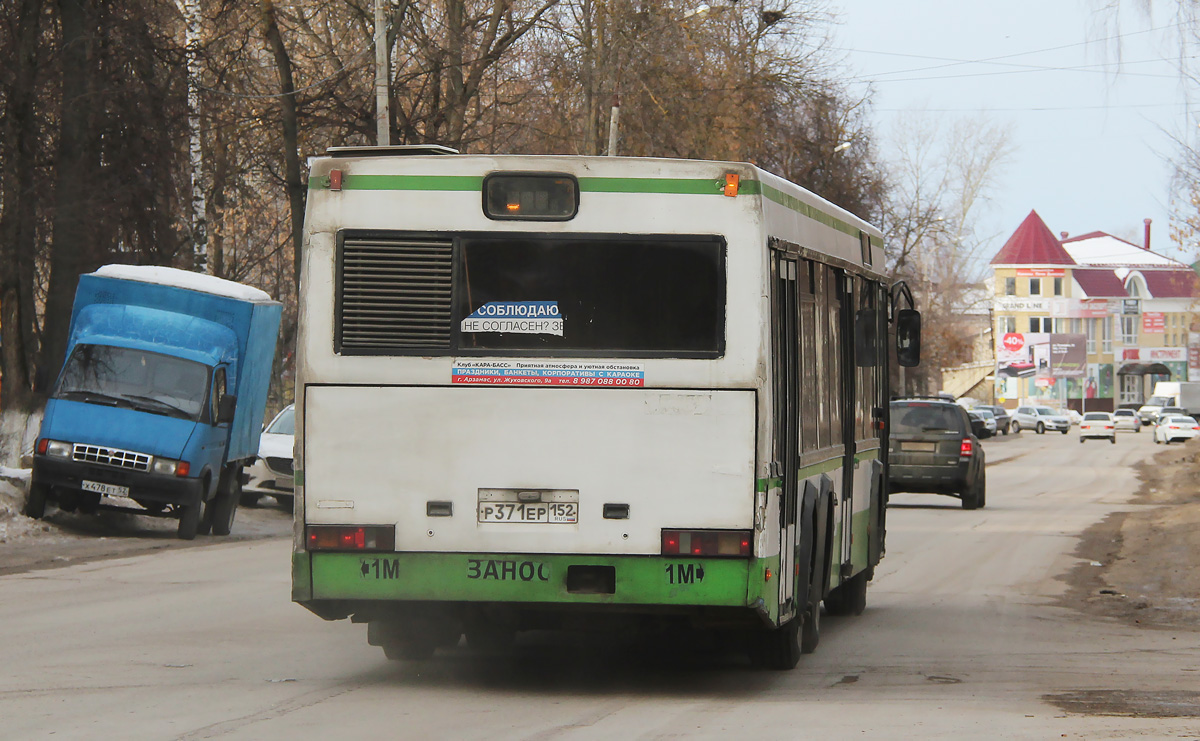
(160, 399)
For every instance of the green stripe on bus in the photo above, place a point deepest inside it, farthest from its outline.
(512, 577)
(402, 182)
(799, 206)
(676, 186)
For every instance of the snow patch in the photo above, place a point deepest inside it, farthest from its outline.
(183, 279)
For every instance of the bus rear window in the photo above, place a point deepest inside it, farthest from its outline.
(591, 296)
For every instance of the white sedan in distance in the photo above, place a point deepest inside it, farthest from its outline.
(1098, 425)
(1175, 428)
(271, 472)
(1127, 419)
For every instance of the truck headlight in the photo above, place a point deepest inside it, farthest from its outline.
(57, 448)
(165, 466)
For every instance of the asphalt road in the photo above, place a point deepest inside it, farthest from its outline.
(965, 635)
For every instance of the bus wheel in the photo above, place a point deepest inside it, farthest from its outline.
(810, 630)
(777, 648)
(35, 504)
(849, 598)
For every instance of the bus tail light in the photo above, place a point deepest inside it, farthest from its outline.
(967, 449)
(351, 537)
(729, 543)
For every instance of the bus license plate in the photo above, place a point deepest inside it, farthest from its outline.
(111, 490)
(552, 513)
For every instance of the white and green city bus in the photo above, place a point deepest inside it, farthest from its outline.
(556, 391)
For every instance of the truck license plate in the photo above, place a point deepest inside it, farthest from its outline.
(111, 490)
(553, 507)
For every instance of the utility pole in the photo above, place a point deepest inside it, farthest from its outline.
(382, 115)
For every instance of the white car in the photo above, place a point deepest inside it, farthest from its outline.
(1098, 425)
(271, 472)
(1127, 419)
(1039, 419)
(1072, 415)
(1175, 428)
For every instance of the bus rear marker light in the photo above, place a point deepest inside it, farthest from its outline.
(351, 538)
(708, 543)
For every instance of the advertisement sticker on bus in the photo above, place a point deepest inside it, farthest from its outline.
(547, 373)
(518, 317)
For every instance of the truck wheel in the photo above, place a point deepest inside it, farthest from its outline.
(35, 504)
(189, 521)
(224, 506)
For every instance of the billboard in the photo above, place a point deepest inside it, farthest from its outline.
(1041, 355)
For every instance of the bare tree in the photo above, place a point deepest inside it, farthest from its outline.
(940, 180)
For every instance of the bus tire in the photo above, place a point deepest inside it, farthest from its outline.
(35, 503)
(848, 598)
(777, 648)
(810, 628)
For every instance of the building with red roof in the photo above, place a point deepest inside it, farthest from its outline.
(1090, 321)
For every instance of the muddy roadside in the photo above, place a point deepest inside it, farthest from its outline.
(66, 538)
(1143, 566)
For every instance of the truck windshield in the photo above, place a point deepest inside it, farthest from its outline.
(1160, 401)
(147, 381)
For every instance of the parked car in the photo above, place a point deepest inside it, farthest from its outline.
(989, 418)
(1039, 419)
(978, 425)
(1175, 428)
(1127, 419)
(934, 450)
(1003, 419)
(271, 472)
(1098, 425)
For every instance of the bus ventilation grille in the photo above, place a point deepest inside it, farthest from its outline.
(394, 295)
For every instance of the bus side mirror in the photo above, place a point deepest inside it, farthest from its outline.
(225, 409)
(908, 337)
(866, 338)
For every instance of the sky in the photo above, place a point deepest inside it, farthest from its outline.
(1090, 116)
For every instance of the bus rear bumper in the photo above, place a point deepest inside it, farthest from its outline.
(337, 583)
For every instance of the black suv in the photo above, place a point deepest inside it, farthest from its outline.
(1002, 419)
(933, 450)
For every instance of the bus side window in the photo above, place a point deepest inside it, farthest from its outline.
(809, 385)
(834, 290)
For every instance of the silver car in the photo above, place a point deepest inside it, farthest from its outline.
(271, 472)
(1039, 419)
